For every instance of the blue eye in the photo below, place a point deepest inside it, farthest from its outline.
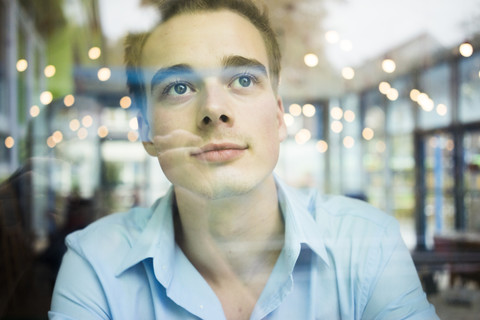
(180, 88)
(177, 89)
(244, 81)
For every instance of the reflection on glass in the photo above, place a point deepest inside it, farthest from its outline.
(373, 149)
(472, 180)
(435, 89)
(469, 99)
(439, 182)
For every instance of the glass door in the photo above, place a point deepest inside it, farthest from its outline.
(472, 181)
(439, 182)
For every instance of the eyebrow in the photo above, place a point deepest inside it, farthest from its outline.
(240, 61)
(233, 61)
(165, 73)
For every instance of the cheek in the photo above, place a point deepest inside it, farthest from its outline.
(268, 122)
(159, 124)
(165, 121)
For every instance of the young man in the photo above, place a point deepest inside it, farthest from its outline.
(229, 240)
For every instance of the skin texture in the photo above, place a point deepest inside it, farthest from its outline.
(255, 114)
(216, 125)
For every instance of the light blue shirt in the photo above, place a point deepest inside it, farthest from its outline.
(342, 259)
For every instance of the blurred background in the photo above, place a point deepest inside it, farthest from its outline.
(382, 103)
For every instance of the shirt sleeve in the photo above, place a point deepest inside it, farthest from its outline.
(397, 292)
(78, 294)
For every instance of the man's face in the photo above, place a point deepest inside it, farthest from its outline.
(215, 119)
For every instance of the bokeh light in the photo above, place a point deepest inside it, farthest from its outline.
(94, 53)
(332, 36)
(308, 110)
(303, 136)
(311, 60)
(9, 142)
(388, 65)
(466, 49)
(414, 93)
(336, 126)
(49, 71)
(336, 113)
(50, 142)
(82, 133)
(442, 109)
(69, 100)
(125, 102)
(322, 146)
(57, 136)
(384, 87)
(380, 146)
(348, 142)
(34, 111)
(132, 136)
(104, 74)
(368, 134)
(22, 65)
(87, 121)
(46, 97)
(295, 109)
(348, 73)
(392, 94)
(289, 119)
(133, 123)
(102, 131)
(74, 124)
(349, 115)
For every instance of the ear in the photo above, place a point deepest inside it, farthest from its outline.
(282, 128)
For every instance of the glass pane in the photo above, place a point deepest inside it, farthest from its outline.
(400, 115)
(439, 181)
(469, 99)
(402, 168)
(439, 162)
(472, 180)
(435, 102)
(374, 149)
(440, 214)
(351, 147)
(3, 80)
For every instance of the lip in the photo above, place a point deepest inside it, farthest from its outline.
(219, 152)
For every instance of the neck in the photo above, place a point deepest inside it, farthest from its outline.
(238, 237)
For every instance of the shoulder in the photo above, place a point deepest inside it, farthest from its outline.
(353, 215)
(111, 233)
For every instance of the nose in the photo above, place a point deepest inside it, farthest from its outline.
(214, 109)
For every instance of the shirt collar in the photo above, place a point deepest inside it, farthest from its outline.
(157, 234)
(299, 209)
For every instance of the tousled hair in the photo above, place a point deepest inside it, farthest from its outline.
(249, 9)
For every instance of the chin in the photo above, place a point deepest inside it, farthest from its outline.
(223, 187)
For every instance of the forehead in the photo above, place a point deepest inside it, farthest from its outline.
(202, 40)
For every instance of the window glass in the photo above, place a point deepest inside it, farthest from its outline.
(434, 102)
(472, 180)
(3, 64)
(374, 147)
(469, 99)
(439, 183)
(351, 147)
(400, 114)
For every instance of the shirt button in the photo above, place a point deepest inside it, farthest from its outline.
(201, 306)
